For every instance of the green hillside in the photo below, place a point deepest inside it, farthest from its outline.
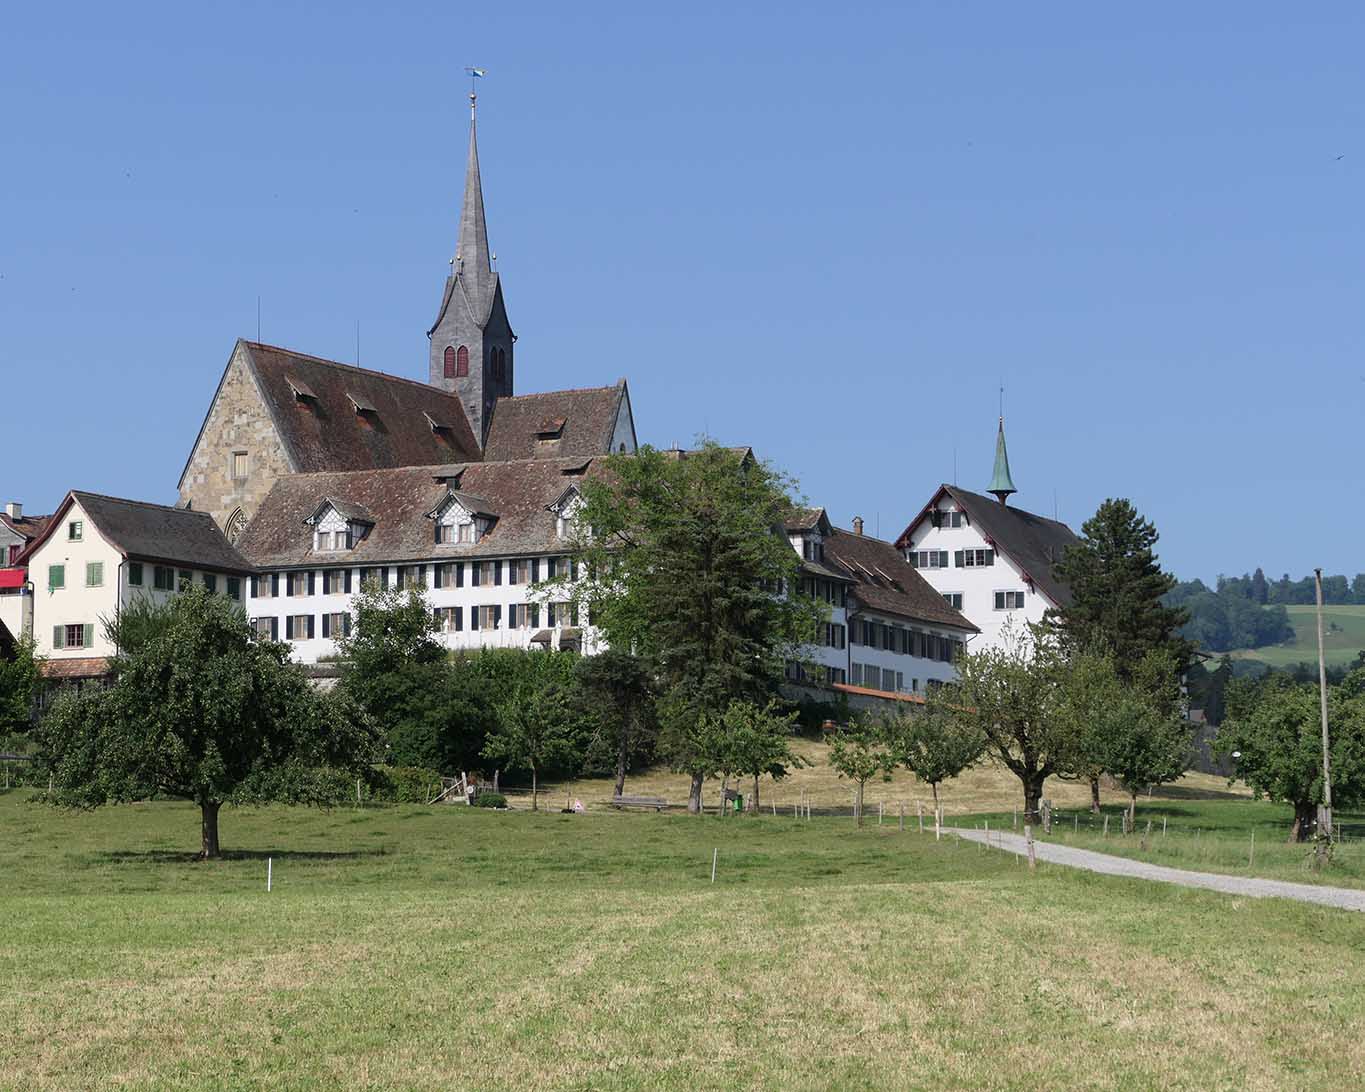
(1345, 637)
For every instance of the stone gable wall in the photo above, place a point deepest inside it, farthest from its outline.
(237, 421)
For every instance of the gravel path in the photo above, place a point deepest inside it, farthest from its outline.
(1340, 897)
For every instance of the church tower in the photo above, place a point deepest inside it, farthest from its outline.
(471, 341)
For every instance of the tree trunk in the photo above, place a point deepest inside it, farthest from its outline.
(858, 804)
(753, 804)
(1132, 814)
(724, 801)
(694, 795)
(622, 750)
(208, 815)
(1304, 814)
(535, 800)
(1095, 796)
(1033, 794)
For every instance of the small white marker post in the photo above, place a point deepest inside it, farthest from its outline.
(1252, 862)
(714, 854)
(269, 872)
(919, 807)
(1163, 826)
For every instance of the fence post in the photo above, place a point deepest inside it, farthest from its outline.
(902, 803)
(1106, 826)
(919, 806)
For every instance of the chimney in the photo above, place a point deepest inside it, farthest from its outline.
(857, 525)
(14, 510)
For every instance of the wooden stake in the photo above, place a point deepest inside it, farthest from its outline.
(1106, 826)
(269, 870)
(1028, 837)
(1014, 821)
(714, 854)
(1163, 826)
(902, 803)
(1252, 862)
(881, 807)
(919, 806)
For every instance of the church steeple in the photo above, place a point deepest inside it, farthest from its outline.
(471, 340)
(1002, 485)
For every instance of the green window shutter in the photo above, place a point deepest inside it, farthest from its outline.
(88, 635)
(58, 636)
(56, 576)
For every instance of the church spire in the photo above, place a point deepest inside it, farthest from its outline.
(1002, 485)
(473, 260)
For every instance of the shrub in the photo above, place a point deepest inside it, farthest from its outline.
(404, 784)
(490, 800)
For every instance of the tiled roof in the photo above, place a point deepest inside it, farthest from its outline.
(1032, 542)
(334, 416)
(573, 422)
(28, 526)
(887, 582)
(158, 532)
(519, 493)
(79, 667)
(805, 519)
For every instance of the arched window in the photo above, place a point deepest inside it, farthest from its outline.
(462, 361)
(499, 365)
(450, 362)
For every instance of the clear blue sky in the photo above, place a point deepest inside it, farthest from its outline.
(827, 231)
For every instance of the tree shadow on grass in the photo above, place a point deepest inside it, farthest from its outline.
(168, 856)
(1185, 792)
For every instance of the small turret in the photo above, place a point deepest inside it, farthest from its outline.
(1002, 485)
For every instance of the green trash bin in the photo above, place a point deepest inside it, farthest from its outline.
(739, 802)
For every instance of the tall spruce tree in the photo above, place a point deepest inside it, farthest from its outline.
(1117, 586)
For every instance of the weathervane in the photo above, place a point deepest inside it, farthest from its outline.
(474, 74)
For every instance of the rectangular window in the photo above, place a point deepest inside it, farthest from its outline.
(467, 533)
(953, 599)
(234, 587)
(135, 574)
(928, 559)
(445, 534)
(56, 577)
(857, 677)
(519, 572)
(337, 624)
(297, 584)
(872, 677)
(298, 627)
(239, 465)
(975, 559)
(78, 636)
(1009, 600)
(334, 581)
(264, 627)
(75, 530)
(163, 578)
(186, 579)
(211, 583)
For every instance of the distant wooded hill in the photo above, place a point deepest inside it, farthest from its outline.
(1251, 612)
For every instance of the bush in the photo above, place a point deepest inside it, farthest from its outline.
(404, 785)
(490, 800)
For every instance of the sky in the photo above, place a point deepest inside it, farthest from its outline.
(829, 232)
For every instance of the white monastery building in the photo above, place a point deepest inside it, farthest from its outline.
(992, 562)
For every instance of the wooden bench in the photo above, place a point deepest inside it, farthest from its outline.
(655, 802)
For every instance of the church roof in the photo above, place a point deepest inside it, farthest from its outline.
(554, 424)
(888, 583)
(1034, 543)
(356, 419)
(400, 500)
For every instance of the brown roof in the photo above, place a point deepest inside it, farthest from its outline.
(574, 422)
(79, 667)
(1034, 543)
(519, 494)
(887, 582)
(807, 519)
(335, 416)
(28, 526)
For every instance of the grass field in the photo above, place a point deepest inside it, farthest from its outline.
(1343, 638)
(456, 948)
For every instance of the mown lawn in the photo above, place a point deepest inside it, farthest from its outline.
(449, 948)
(1343, 637)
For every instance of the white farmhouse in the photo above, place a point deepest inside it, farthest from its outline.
(992, 562)
(474, 537)
(889, 634)
(16, 593)
(99, 553)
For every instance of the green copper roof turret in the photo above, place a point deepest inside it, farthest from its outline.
(1002, 485)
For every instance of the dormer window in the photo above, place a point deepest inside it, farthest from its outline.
(461, 519)
(302, 391)
(566, 511)
(338, 526)
(812, 548)
(362, 404)
(332, 540)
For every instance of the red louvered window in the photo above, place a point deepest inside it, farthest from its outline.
(462, 361)
(450, 362)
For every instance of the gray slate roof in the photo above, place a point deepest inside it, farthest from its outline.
(158, 532)
(518, 493)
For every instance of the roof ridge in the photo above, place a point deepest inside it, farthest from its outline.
(565, 390)
(350, 367)
(139, 503)
(869, 538)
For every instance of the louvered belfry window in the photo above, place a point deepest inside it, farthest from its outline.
(462, 361)
(450, 362)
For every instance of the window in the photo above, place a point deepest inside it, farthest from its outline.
(1009, 600)
(486, 617)
(186, 579)
(163, 578)
(449, 619)
(298, 583)
(234, 587)
(298, 627)
(927, 559)
(336, 581)
(445, 534)
(79, 635)
(449, 362)
(333, 540)
(519, 571)
(518, 616)
(872, 677)
(499, 365)
(135, 574)
(74, 530)
(953, 599)
(973, 559)
(56, 577)
(857, 677)
(239, 466)
(949, 519)
(467, 534)
(211, 583)
(265, 627)
(337, 624)
(462, 362)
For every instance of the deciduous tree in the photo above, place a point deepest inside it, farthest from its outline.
(936, 743)
(860, 753)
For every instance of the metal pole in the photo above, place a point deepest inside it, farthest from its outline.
(1325, 812)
